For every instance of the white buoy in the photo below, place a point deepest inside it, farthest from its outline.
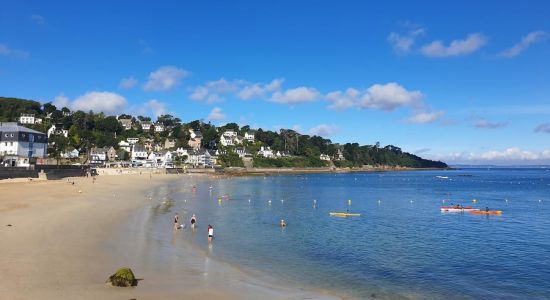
(248, 200)
(269, 202)
(540, 200)
(379, 201)
(412, 201)
(80, 191)
(185, 200)
(282, 201)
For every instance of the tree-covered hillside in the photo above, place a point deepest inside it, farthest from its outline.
(89, 129)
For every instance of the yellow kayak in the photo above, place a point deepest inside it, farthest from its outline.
(343, 214)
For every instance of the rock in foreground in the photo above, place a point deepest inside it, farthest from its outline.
(123, 277)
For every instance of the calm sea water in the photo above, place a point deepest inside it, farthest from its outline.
(401, 246)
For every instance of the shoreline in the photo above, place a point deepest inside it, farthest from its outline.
(61, 244)
(277, 171)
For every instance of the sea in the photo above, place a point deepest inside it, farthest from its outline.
(400, 247)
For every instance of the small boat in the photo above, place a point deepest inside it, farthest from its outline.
(484, 212)
(442, 177)
(456, 208)
(344, 214)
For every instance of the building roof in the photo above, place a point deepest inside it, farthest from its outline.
(14, 127)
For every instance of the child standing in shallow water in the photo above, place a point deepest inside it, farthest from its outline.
(176, 221)
(210, 233)
(193, 221)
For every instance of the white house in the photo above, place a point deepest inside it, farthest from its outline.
(230, 133)
(18, 144)
(340, 155)
(70, 154)
(126, 123)
(226, 141)
(124, 145)
(139, 152)
(249, 136)
(266, 152)
(324, 157)
(29, 119)
(146, 125)
(241, 151)
(98, 156)
(159, 127)
(58, 131)
(133, 140)
(200, 158)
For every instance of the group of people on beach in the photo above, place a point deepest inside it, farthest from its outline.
(193, 222)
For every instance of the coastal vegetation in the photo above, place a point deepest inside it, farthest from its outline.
(86, 130)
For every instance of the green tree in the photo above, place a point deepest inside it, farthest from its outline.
(58, 145)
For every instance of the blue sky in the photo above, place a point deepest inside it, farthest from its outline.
(465, 82)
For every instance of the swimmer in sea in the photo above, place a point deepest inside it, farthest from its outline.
(283, 223)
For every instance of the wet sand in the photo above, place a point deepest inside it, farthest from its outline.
(65, 240)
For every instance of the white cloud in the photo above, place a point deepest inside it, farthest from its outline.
(402, 43)
(165, 78)
(508, 156)
(156, 107)
(324, 130)
(61, 101)
(472, 43)
(200, 93)
(484, 123)
(543, 128)
(6, 51)
(274, 85)
(38, 19)
(425, 117)
(525, 42)
(389, 96)
(259, 90)
(295, 96)
(106, 102)
(222, 86)
(128, 83)
(343, 100)
(216, 114)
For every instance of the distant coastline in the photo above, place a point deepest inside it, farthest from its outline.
(273, 171)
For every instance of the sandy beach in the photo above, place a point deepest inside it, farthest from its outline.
(62, 240)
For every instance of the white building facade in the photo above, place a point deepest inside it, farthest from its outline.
(21, 143)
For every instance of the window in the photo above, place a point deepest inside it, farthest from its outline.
(11, 143)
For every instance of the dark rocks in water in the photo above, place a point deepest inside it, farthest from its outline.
(123, 277)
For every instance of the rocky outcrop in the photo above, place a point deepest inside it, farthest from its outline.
(123, 277)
